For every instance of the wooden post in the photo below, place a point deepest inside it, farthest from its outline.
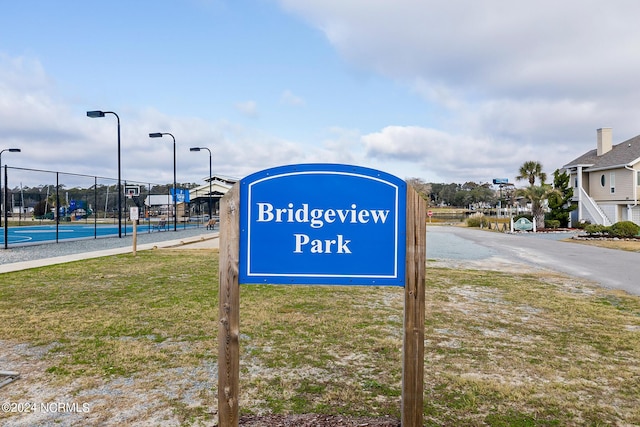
(134, 215)
(229, 310)
(414, 312)
(229, 313)
(135, 236)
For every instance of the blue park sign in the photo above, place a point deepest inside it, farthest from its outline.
(322, 224)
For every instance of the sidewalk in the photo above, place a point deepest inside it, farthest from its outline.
(203, 241)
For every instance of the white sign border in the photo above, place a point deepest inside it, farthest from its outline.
(395, 274)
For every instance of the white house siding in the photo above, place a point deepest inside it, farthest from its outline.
(585, 182)
(586, 216)
(625, 181)
(573, 180)
(632, 215)
(623, 185)
(612, 211)
(597, 191)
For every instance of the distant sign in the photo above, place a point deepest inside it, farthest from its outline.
(500, 180)
(523, 224)
(134, 213)
(182, 195)
(322, 224)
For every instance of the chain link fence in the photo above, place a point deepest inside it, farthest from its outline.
(42, 197)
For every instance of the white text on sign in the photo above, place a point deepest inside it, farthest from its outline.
(317, 246)
(318, 217)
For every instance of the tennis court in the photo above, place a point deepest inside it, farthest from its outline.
(36, 234)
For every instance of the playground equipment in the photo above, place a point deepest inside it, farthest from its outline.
(76, 211)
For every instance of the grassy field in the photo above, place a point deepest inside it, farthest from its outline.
(135, 340)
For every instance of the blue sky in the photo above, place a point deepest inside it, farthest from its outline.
(443, 91)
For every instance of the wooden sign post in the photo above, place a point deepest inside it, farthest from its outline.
(134, 215)
(405, 230)
(414, 312)
(229, 311)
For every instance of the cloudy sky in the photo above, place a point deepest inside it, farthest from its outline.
(446, 91)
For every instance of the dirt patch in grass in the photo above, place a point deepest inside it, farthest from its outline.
(315, 420)
(123, 341)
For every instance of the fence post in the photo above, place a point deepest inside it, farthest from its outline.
(4, 209)
(57, 211)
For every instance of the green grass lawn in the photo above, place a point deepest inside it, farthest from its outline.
(500, 349)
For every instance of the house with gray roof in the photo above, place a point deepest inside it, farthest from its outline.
(606, 181)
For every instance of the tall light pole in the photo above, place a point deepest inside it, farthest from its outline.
(175, 189)
(210, 173)
(99, 113)
(5, 194)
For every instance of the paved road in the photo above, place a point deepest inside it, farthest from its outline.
(608, 267)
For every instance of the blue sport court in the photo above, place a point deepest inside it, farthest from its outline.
(36, 234)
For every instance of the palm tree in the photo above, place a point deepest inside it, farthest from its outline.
(537, 194)
(530, 171)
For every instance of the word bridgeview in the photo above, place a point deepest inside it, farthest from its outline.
(317, 218)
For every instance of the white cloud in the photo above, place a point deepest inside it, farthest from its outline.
(454, 158)
(496, 84)
(54, 136)
(506, 45)
(289, 98)
(505, 82)
(22, 73)
(248, 108)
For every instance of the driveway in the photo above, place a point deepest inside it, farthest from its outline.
(520, 252)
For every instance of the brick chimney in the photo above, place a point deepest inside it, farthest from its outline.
(605, 141)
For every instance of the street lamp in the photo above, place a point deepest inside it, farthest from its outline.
(210, 173)
(5, 194)
(175, 194)
(99, 113)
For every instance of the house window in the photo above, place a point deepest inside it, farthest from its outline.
(637, 177)
(602, 182)
(612, 182)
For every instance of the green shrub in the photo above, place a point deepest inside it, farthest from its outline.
(478, 221)
(593, 229)
(625, 229)
(582, 224)
(552, 223)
